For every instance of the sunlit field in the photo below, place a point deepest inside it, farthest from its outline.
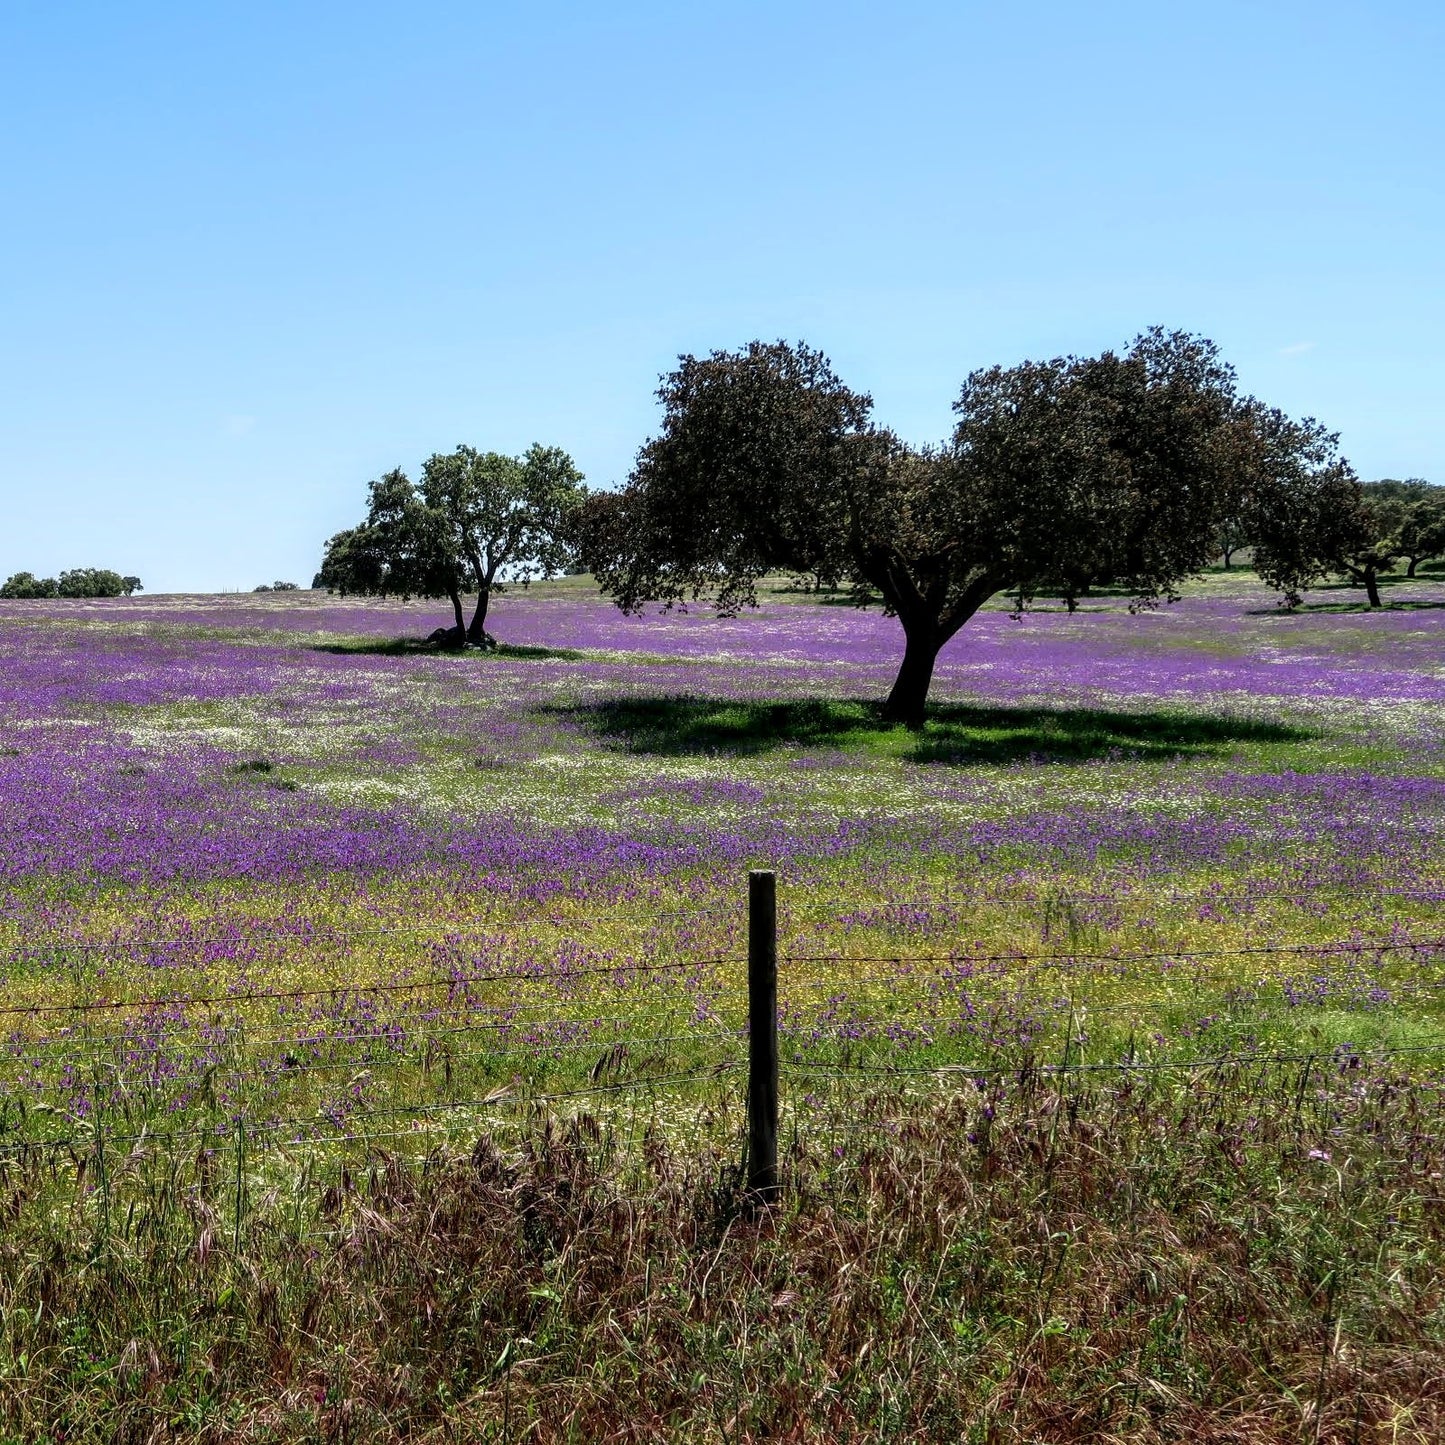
(286, 898)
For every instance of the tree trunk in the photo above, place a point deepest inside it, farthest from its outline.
(457, 609)
(1372, 587)
(477, 632)
(1228, 553)
(909, 698)
(1410, 571)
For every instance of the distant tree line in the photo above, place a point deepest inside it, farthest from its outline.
(80, 582)
(277, 587)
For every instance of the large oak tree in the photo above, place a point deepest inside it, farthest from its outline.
(1121, 466)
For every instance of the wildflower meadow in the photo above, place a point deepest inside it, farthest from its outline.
(1148, 922)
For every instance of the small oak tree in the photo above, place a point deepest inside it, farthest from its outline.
(1422, 538)
(1303, 532)
(1233, 537)
(501, 519)
(1378, 545)
(477, 522)
(1422, 529)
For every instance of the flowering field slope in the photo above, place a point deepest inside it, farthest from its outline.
(277, 837)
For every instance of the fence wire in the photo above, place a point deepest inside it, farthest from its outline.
(589, 914)
(865, 1051)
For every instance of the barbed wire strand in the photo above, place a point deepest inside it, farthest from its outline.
(223, 1132)
(959, 956)
(1345, 948)
(540, 1052)
(733, 913)
(361, 990)
(1217, 1061)
(417, 1029)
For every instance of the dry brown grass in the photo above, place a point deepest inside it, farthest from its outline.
(1124, 1259)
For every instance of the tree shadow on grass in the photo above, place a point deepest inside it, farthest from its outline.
(956, 733)
(1362, 609)
(420, 647)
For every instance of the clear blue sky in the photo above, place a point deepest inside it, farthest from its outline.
(255, 254)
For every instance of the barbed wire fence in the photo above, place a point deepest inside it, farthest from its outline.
(746, 1068)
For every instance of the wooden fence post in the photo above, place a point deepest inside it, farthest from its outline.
(763, 1035)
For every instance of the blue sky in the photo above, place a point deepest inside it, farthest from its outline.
(253, 255)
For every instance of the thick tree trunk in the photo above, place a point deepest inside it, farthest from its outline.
(1372, 587)
(929, 619)
(1228, 554)
(909, 698)
(477, 632)
(1410, 570)
(457, 610)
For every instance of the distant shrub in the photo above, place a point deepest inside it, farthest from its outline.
(91, 582)
(25, 585)
(277, 587)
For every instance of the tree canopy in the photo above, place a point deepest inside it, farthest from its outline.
(1421, 531)
(1122, 465)
(79, 582)
(1376, 546)
(91, 582)
(24, 586)
(476, 522)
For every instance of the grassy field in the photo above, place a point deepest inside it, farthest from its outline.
(373, 1022)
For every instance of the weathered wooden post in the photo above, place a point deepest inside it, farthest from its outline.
(763, 1036)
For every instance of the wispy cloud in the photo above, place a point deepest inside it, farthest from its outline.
(1297, 348)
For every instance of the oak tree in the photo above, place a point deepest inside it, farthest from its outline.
(26, 586)
(1121, 466)
(1422, 528)
(475, 523)
(1378, 545)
